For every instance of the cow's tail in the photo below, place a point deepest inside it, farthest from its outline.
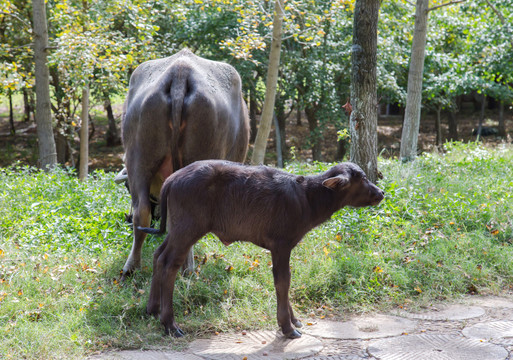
(163, 215)
(177, 93)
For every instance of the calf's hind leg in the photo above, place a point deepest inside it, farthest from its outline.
(153, 306)
(169, 262)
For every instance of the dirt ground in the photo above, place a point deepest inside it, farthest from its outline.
(22, 146)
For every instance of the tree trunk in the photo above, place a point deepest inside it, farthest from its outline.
(279, 149)
(502, 123)
(84, 135)
(481, 117)
(11, 115)
(26, 106)
(280, 122)
(47, 151)
(112, 136)
(298, 115)
(341, 150)
(270, 92)
(314, 138)
(410, 134)
(363, 121)
(453, 126)
(252, 115)
(438, 126)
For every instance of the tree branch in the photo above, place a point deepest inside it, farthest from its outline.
(499, 15)
(446, 4)
(409, 2)
(17, 18)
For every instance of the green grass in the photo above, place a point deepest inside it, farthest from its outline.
(445, 229)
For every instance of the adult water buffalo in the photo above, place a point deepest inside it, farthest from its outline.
(178, 110)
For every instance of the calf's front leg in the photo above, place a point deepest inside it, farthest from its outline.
(281, 273)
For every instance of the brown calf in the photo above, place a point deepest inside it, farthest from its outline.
(268, 207)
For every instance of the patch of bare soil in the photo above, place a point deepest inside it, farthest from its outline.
(22, 146)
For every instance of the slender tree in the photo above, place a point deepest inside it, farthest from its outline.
(363, 121)
(84, 135)
(84, 127)
(270, 93)
(410, 134)
(47, 151)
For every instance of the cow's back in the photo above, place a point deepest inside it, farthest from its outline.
(188, 108)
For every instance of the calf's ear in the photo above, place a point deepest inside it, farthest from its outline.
(337, 182)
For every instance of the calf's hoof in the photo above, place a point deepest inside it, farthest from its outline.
(176, 332)
(294, 334)
(153, 310)
(297, 323)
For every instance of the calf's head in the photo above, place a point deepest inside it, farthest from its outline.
(351, 186)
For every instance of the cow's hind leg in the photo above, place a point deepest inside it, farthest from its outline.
(139, 178)
(281, 273)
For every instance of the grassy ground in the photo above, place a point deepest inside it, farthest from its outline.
(444, 229)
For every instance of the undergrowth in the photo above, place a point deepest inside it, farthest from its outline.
(445, 229)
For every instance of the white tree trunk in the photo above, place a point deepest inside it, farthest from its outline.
(43, 114)
(410, 134)
(84, 135)
(272, 78)
(363, 121)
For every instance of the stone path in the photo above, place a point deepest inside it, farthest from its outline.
(480, 328)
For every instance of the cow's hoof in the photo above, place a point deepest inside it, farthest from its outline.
(297, 323)
(177, 332)
(126, 274)
(294, 334)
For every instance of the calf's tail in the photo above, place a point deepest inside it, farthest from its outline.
(150, 230)
(163, 215)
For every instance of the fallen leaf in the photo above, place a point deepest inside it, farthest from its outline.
(326, 251)
(377, 269)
